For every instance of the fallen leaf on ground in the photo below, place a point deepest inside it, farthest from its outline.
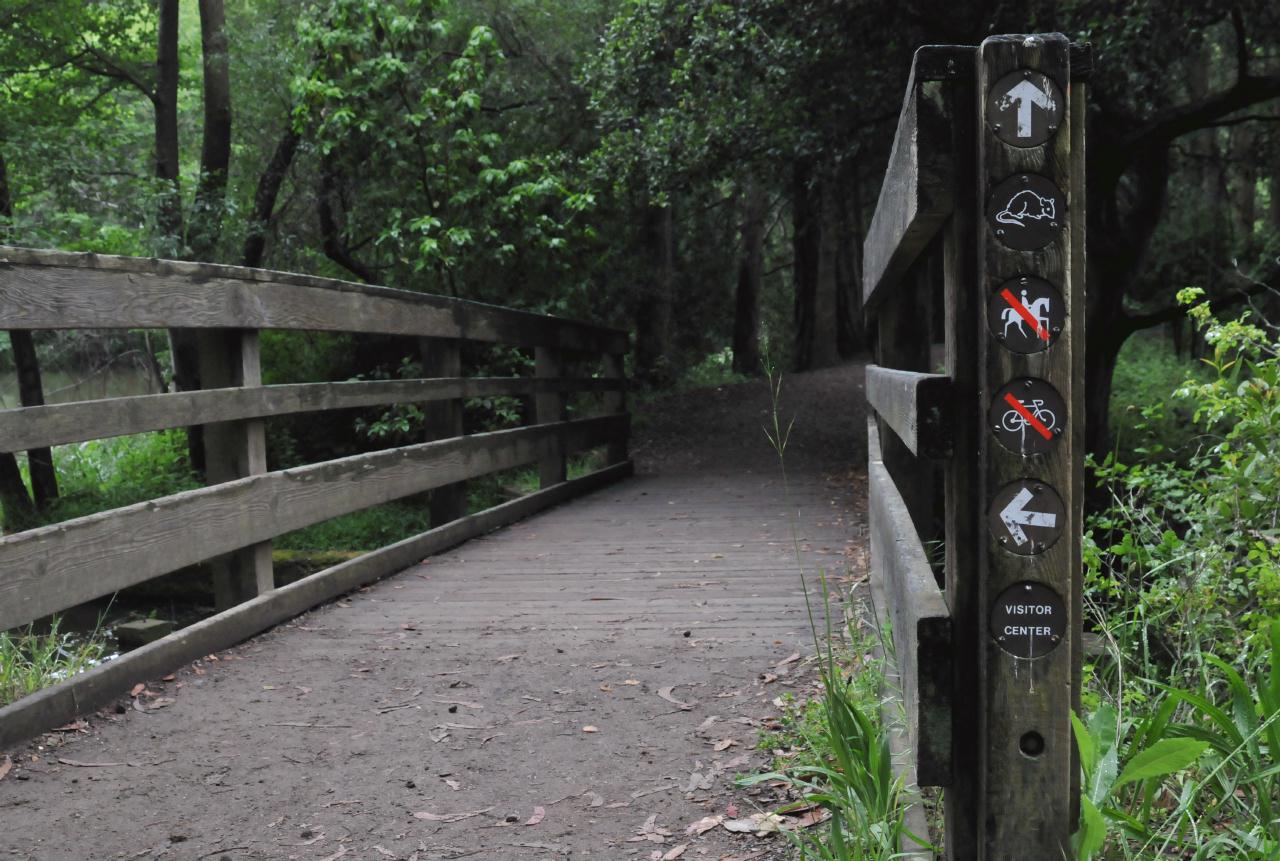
(449, 817)
(452, 784)
(731, 811)
(590, 728)
(342, 850)
(74, 726)
(539, 813)
(758, 823)
(651, 831)
(666, 694)
(781, 665)
(768, 677)
(703, 825)
(596, 799)
(724, 744)
(631, 682)
(137, 689)
(384, 852)
(809, 818)
(5, 767)
(606, 687)
(168, 678)
(438, 734)
(675, 852)
(505, 658)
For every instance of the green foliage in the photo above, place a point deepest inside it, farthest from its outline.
(367, 529)
(1182, 574)
(110, 473)
(30, 661)
(1146, 424)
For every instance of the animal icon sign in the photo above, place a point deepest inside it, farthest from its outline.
(1026, 314)
(1026, 212)
(1025, 205)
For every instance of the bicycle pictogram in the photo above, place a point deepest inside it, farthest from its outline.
(1015, 422)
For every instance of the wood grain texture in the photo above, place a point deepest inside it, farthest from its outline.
(961, 535)
(48, 569)
(916, 196)
(59, 424)
(549, 407)
(88, 691)
(1025, 802)
(58, 290)
(442, 419)
(920, 621)
(615, 401)
(917, 406)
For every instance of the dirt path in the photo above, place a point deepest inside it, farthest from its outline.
(582, 685)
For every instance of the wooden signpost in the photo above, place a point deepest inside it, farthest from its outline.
(982, 209)
(1032, 184)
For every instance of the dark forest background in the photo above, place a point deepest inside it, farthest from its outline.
(699, 173)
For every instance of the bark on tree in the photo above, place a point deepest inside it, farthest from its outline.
(805, 243)
(164, 98)
(215, 152)
(851, 337)
(653, 316)
(746, 311)
(18, 510)
(264, 199)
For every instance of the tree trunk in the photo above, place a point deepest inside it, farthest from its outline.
(746, 311)
(805, 245)
(851, 338)
(18, 511)
(654, 366)
(215, 153)
(264, 199)
(165, 100)
(826, 305)
(44, 480)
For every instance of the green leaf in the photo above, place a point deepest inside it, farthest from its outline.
(1088, 753)
(1164, 757)
(1092, 833)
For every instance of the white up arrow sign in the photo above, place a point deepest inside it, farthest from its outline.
(1027, 94)
(1015, 516)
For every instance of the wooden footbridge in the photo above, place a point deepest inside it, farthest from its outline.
(602, 641)
(591, 663)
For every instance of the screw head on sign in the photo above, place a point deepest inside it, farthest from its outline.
(1026, 73)
(1024, 178)
(1039, 488)
(999, 233)
(1001, 638)
(1024, 280)
(1053, 224)
(1004, 539)
(1055, 638)
(996, 126)
(1057, 431)
(1040, 545)
(1026, 587)
(1027, 384)
(1057, 330)
(1052, 128)
(1000, 337)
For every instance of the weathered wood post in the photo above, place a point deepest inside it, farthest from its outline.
(442, 357)
(549, 406)
(1030, 181)
(236, 449)
(615, 401)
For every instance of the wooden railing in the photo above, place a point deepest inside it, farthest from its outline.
(231, 522)
(989, 724)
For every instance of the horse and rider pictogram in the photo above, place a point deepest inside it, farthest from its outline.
(1026, 314)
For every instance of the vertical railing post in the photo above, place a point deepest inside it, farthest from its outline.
(549, 407)
(442, 357)
(1028, 317)
(615, 402)
(961, 527)
(232, 357)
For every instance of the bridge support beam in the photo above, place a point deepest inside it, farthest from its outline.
(236, 449)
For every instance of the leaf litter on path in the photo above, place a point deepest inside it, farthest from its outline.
(428, 816)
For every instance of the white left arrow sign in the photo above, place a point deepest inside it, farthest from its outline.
(1026, 95)
(1015, 516)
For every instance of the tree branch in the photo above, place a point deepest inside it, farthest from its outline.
(1251, 287)
(1174, 122)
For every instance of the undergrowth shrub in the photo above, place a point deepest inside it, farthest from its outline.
(1182, 582)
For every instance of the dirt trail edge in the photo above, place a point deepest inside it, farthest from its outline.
(585, 684)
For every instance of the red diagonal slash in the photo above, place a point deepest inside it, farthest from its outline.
(1024, 313)
(1031, 420)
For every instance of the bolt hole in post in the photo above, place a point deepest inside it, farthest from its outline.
(1031, 744)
